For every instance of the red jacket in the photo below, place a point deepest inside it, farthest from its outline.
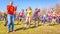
(11, 9)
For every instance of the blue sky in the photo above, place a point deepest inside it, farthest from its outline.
(25, 3)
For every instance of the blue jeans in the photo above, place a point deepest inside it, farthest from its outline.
(10, 19)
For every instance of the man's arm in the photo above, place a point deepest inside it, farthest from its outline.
(15, 8)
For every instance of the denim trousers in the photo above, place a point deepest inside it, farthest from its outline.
(10, 19)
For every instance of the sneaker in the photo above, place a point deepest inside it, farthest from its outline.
(13, 31)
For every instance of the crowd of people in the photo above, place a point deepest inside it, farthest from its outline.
(28, 16)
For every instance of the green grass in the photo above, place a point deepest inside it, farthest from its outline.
(43, 29)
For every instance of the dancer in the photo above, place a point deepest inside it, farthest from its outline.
(11, 11)
(21, 16)
(5, 16)
(53, 18)
(44, 18)
(49, 17)
(36, 16)
(28, 17)
(57, 18)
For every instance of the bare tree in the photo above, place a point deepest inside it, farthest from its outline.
(58, 8)
(44, 11)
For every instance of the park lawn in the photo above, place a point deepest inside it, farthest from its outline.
(43, 29)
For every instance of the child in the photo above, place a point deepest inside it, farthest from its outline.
(36, 16)
(0, 16)
(22, 15)
(53, 17)
(19, 17)
(44, 18)
(5, 16)
(59, 17)
(49, 17)
(28, 17)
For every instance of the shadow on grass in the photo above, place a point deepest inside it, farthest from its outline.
(34, 26)
(53, 24)
(17, 24)
(26, 28)
(19, 29)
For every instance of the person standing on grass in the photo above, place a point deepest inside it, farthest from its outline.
(44, 18)
(11, 10)
(0, 15)
(5, 17)
(36, 16)
(19, 17)
(57, 18)
(49, 17)
(28, 17)
(22, 15)
(53, 18)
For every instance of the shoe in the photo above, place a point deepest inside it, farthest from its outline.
(13, 31)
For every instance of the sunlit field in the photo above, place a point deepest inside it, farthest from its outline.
(42, 29)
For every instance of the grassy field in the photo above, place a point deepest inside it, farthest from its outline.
(43, 29)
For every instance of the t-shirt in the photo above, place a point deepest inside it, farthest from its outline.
(11, 9)
(22, 14)
(36, 14)
(49, 15)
